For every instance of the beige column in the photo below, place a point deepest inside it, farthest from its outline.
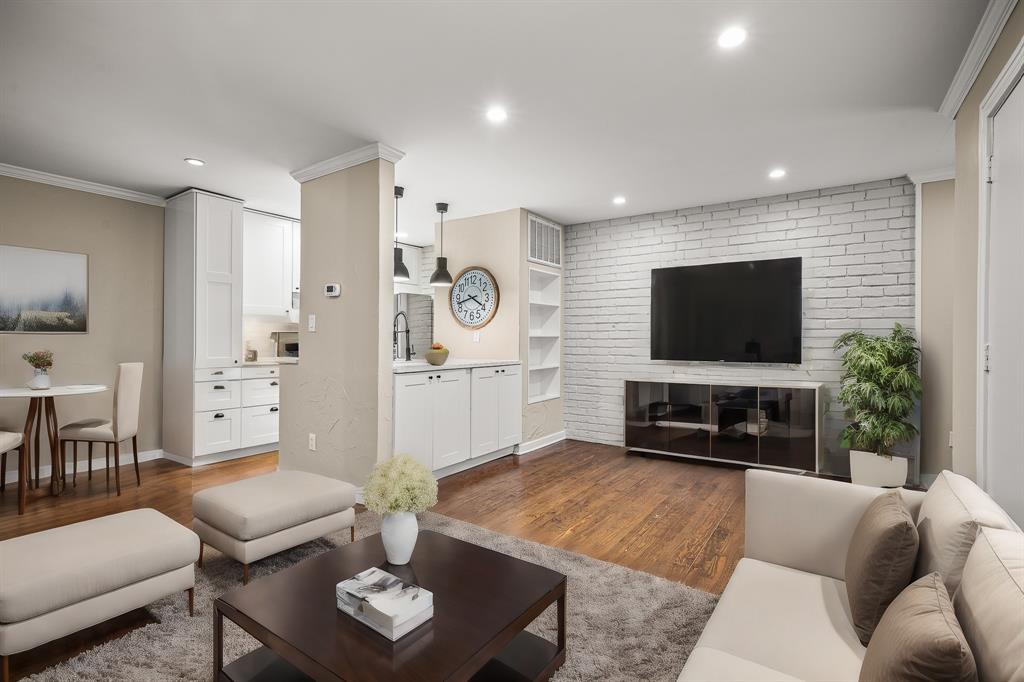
(341, 388)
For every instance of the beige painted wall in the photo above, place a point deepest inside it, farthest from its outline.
(124, 242)
(936, 334)
(341, 389)
(965, 300)
(490, 241)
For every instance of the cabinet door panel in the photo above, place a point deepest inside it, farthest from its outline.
(218, 282)
(734, 424)
(260, 425)
(510, 407)
(414, 418)
(647, 413)
(788, 418)
(689, 419)
(218, 431)
(451, 391)
(484, 411)
(266, 264)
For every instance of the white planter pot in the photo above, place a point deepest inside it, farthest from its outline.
(399, 532)
(40, 380)
(867, 468)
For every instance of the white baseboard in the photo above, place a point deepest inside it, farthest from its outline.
(475, 462)
(98, 463)
(541, 442)
(203, 460)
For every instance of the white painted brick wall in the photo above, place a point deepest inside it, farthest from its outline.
(857, 245)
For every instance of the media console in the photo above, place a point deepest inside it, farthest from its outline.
(776, 425)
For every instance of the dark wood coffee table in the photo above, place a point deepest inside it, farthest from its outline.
(483, 601)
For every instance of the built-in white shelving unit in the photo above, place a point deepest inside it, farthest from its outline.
(545, 334)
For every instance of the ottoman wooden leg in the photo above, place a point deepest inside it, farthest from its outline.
(191, 601)
(200, 562)
(245, 574)
(353, 533)
(5, 664)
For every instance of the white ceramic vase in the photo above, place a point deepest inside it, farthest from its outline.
(868, 468)
(40, 380)
(399, 531)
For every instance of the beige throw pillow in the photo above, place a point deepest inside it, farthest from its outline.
(919, 639)
(953, 510)
(990, 604)
(880, 560)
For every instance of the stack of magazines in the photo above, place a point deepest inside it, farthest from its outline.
(385, 603)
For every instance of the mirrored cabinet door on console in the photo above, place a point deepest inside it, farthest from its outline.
(772, 426)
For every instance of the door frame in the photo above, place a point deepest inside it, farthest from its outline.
(1003, 85)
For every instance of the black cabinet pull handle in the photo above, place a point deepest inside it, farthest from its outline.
(218, 388)
(219, 415)
(273, 383)
(217, 373)
(273, 409)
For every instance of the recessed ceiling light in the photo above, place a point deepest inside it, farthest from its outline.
(619, 200)
(776, 173)
(195, 162)
(497, 114)
(732, 37)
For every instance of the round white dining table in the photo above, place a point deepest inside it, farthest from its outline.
(41, 408)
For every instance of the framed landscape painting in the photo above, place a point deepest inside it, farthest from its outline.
(43, 291)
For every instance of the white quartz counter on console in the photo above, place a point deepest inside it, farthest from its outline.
(405, 367)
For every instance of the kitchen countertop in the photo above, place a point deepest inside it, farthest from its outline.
(406, 367)
(268, 362)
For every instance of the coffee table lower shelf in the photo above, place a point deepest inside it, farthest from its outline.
(527, 658)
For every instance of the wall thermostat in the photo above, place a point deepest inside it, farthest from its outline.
(332, 290)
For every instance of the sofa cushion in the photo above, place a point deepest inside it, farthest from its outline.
(259, 506)
(786, 620)
(990, 604)
(919, 639)
(711, 665)
(880, 561)
(953, 510)
(45, 571)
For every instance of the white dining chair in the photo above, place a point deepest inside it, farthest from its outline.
(9, 442)
(112, 432)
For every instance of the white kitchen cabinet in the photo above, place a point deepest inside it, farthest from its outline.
(417, 283)
(260, 392)
(260, 425)
(217, 395)
(414, 417)
(218, 431)
(293, 313)
(452, 421)
(267, 262)
(218, 283)
(484, 410)
(510, 407)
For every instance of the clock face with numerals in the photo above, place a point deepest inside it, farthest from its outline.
(473, 297)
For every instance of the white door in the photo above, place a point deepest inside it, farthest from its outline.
(451, 417)
(218, 282)
(1003, 473)
(414, 417)
(266, 264)
(484, 410)
(510, 407)
(293, 312)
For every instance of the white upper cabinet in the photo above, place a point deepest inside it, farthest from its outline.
(293, 314)
(268, 262)
(218, 271)
(417, 283)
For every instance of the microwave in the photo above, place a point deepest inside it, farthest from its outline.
(286, 344)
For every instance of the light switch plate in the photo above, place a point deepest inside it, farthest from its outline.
(311, 325)
(312, 442)
(476, 337)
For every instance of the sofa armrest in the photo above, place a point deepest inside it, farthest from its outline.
(803, 522)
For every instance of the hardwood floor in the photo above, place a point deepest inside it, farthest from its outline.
(672, 518)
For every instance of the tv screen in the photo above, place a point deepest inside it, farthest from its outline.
(727, 312)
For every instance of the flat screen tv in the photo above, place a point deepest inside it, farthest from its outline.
(748, 311)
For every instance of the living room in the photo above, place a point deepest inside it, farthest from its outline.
(638, 341)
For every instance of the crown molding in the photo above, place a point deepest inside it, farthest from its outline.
(989, 28)
(934, 175)
(376, 150)
(81, 185)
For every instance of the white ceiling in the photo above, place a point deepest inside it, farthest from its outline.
(604, 98)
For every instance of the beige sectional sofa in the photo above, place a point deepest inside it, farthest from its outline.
(785, 616)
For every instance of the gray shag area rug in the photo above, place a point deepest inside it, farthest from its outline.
(621, 624)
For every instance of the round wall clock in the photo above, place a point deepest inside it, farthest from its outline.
(473, 298)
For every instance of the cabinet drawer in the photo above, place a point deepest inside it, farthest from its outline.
(217, 395)
(217, 431)
(218, 374)
(261, 372)
(260, 392)
(260, 425)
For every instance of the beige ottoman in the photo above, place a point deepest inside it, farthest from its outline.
(62, 580)
(251, 519)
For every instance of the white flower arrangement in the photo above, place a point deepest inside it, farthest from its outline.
(400, 484)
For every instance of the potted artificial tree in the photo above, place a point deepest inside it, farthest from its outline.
(880, 385)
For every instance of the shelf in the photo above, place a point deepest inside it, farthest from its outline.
(544, 274)
(540, 368)
(542, 398)
(546, 337)
(545, 304)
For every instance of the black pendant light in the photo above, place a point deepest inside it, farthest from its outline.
(441, 276)
(401, 272)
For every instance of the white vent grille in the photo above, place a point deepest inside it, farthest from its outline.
(545, 242)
